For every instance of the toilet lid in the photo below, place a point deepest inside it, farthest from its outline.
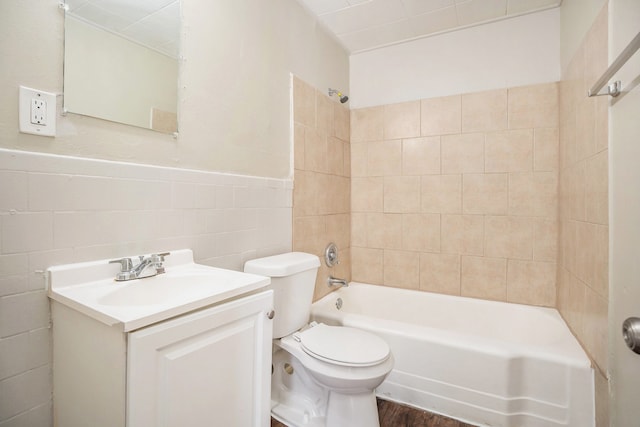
(342, 345)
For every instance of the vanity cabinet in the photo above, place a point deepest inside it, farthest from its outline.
(209, 367)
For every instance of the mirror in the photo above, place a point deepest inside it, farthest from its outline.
(121, 61)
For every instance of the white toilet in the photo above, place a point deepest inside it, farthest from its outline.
(323, 376)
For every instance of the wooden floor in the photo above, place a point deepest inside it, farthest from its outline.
(392, 414)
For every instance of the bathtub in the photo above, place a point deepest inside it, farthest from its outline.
(483, 362)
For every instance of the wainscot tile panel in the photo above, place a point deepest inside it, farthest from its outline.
(59, 210)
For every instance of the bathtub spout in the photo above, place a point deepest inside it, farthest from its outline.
(334, 281)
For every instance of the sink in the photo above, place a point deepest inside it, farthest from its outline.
(160, 289)
(186, 286)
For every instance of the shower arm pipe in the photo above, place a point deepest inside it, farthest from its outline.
(614, 88)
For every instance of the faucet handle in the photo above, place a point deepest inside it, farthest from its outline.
(125, 263)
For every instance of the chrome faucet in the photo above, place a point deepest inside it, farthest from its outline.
(334, 281)
(129, 272)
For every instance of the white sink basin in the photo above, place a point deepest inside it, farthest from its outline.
(91, 289)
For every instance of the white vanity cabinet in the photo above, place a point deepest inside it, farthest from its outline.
(209, 367)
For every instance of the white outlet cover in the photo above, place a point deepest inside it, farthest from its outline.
(48, 125)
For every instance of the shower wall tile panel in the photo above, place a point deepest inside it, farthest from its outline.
(322, 174)
(458, 194)
(59, 210)
(583, 255)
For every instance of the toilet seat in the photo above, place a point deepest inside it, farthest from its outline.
(342, 345)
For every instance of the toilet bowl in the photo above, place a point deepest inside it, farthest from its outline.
(323, 376)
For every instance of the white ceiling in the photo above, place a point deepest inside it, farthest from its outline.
(151, 23)
(368, 24)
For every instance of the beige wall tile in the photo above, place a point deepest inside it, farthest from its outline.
(597, 188)
(533, 106)
(315, 151)
(393, 231)
(402, 120)
(341, 122)
(462, 234)
(308, 234)
(367, 194)
(401, 194)
(440, 273)
(483, 277)
(421, 156)
(571, 296)
(545, 150)
(485, 194)
(304, 103)
(592, 254)
(305, 189)
(359, 158)
(367, 265)
(402, 269)
(508, 237)
(421, 232)
(367, 124)
(335, 156)
(533, 194)
(509, 151)
(346, 159)
(384, 158)
(586, 128)
(441, 116)
(595, 327)
(298, 146)
(484, 111)
(531, 282)
(359, 234)
(324, 113)
(462, 153)
(602, 123)
(441, 193)
(338, 230)
(545, 237)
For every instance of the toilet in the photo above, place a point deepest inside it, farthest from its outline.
(322, 376)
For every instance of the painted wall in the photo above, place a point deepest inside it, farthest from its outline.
(576, 18)
(509, 53)
(233, 90)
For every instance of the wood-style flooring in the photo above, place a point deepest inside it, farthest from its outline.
(393, 414)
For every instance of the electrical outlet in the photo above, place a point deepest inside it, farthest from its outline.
(37, 112)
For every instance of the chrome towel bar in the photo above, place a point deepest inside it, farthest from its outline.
(613, 89)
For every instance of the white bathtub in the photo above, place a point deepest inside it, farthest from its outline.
(483, 362)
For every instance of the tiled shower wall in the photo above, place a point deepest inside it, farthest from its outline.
(58, 210)
(583, 287)
(322, 186)
(458, 194)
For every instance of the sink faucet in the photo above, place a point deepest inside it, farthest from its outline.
(334, 281)
(129, 272)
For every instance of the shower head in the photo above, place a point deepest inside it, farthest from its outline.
(343, 98)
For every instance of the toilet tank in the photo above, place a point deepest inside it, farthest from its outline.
(293, 279)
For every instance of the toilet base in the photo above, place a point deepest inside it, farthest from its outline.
(348, 410)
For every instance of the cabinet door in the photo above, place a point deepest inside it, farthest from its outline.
(208, 368)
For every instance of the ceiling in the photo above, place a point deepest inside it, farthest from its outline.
(151, 23)
(368, 24)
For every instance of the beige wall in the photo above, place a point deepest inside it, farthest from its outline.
(458, 194)
(233, 90)
(322, 187)
(583, 286)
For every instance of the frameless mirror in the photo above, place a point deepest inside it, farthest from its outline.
(121, 61)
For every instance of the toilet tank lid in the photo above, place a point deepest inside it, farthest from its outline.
(282, 265)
